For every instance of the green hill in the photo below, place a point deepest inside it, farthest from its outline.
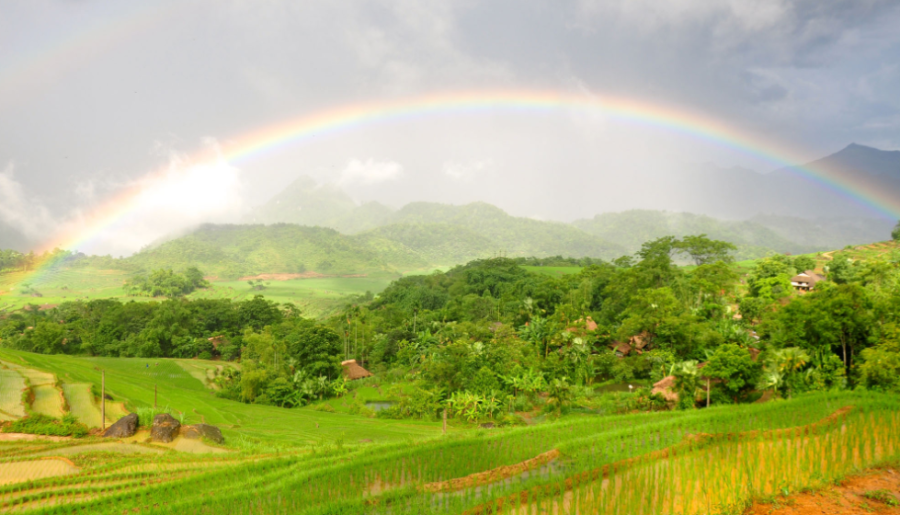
(505, 233)
(632, 228)
(237, 250)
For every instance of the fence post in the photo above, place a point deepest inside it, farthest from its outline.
(445, 421)
(103, 399)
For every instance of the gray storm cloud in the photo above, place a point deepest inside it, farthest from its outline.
(814, 76)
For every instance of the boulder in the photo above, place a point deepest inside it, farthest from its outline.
(165, 428)
(205, 430)
(123, 428)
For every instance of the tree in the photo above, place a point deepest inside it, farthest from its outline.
(804, 263)
(841, 270)
(895, 234)
(735, 367)
(786, 364)
(880, 368)
(705, 251)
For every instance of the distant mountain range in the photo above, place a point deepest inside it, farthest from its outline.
(740, 194)
(313, 227)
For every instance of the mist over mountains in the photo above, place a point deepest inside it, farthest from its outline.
(760, 213)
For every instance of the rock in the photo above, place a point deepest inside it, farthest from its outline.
(205, 430)
(123, 428)
(165, 428)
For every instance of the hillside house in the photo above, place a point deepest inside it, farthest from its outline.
(806, 281)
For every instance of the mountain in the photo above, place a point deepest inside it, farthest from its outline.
(507, 234)
(791, 191)
(827, 233)
(632, 228)
(232, 251)
(305, 202)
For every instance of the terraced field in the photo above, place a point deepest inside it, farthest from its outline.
(709, 461)
(300, 461)
(133, 380)
(12, 384)
(82, 404)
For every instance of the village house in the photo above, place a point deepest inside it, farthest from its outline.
(806, 281)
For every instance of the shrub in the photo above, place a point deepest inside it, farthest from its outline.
(38, 424)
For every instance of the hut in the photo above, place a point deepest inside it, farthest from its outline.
(352, 370)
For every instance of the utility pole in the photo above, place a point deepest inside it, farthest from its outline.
(103, 399)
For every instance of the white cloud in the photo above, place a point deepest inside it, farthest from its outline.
(467, 171)
(24, 213)
(182, 195)
(369, 172)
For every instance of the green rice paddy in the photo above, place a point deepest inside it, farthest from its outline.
(82, 403)
(315, 296)
(12, 384)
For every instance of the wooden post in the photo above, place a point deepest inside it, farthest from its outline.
(445, 420)
(707, 392)
(103, 399)
(154, 396)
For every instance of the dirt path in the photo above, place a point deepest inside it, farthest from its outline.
(876, 491)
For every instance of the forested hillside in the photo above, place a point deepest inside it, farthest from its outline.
(632, 228)
(236, 250)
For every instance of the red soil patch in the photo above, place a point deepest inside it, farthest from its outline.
(848, 498)
(493, 475)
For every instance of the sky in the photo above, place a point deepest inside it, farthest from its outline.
(103, 99)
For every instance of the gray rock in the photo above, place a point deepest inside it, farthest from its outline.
(165, 428)
(203, 430)
(123, 428)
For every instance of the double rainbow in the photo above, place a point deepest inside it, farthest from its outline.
(358, 116)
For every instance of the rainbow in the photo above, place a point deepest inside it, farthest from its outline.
(354, 117)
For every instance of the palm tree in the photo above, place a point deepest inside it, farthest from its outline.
(786, 363)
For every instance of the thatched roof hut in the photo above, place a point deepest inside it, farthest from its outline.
(352, 370)
(666, 388)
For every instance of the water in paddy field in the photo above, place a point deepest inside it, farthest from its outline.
(379, 405)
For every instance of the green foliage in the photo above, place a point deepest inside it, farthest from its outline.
(166, 283)
(737, 370)
(880, 368)
(38, 424)
(895, 233)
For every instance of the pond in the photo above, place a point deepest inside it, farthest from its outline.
(617, 387)
(379, 405)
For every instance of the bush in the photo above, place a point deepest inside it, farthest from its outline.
(38, 424)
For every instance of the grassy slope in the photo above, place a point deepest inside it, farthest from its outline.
(134, 379)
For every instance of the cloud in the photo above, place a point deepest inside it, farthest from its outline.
(19, 210)
(182, 195)
(369, 172)
(467, 171)
(179, 196)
